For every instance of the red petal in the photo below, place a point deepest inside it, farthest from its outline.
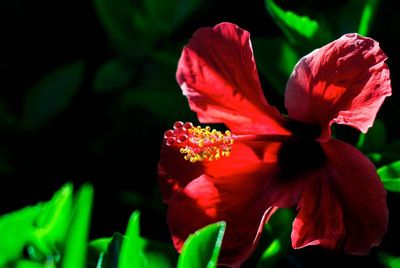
(202, 203)
(344, 82)
(218, 75)
(343, 205)
(174, 172)
(239, 190)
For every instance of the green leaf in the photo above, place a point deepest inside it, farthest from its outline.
(374, 140)
(111, 256)
(388, 260)
(76, 240)
(31, 264)
(116, 17)
(271, 254)
(16, 231)
(112, 75)
(132, 254)
(390, 176)
(279, 228)
(164, 16)
(100, 244)
(52, 95)
(275, 60)
(202, 248)
(136, 26)
(53, 220)
(301, 31)
(7, 118)
(96, 251)
(165, 104)
(357, 16)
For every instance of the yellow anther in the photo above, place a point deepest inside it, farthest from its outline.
(206, 144)
(201, 143)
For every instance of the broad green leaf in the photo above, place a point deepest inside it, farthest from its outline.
(76, 240)
(52, 95)
(275, 60)
(112, 75)
(357, 16)
(202, 248)
(301, 31)
(390, 176)
(388, 260)
(132, 254)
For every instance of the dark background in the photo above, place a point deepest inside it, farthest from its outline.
(111, 138)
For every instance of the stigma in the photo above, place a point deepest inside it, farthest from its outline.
(197, 143)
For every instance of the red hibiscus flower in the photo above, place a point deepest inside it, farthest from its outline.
(270, 160)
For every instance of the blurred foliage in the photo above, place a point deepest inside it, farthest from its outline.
(88, 89)
(389, 261)
(52, 95)
(49, 232)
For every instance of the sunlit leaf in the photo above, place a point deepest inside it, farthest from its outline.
(202, 248)
(301, 31)
(271, 254)
(96, 250)
(31, 264)
(132, 254)
(16, 231)
(388, 260)
(53, 220)
(278, 228)
(76, 240)
(38, 229)
(390, 176)
(275, 60)
(52, 94)
(357, 16)
(100, 244)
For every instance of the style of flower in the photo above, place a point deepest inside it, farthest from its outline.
(271, 161)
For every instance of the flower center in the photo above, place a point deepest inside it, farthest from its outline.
(302, 152)
(197, 143)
